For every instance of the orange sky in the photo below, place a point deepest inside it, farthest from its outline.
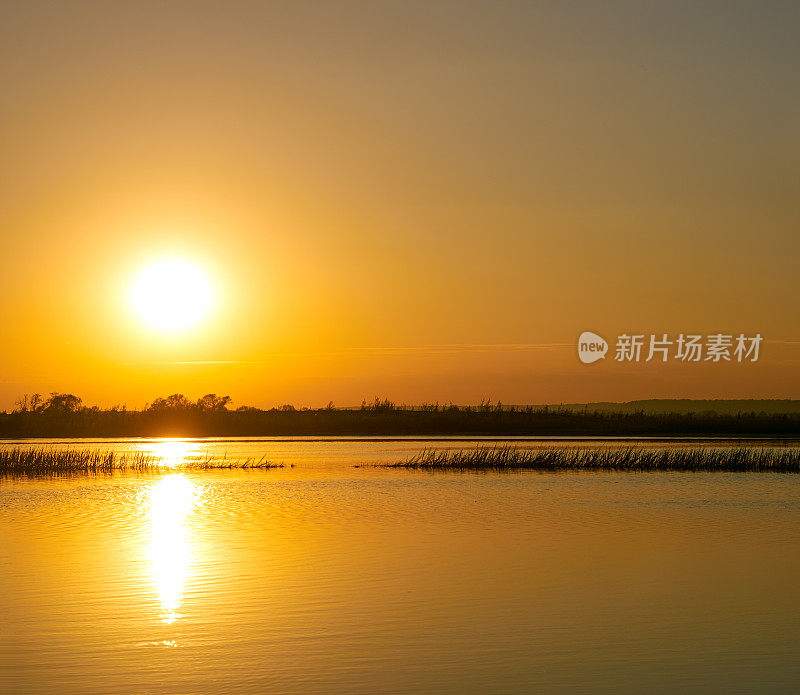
(425, 201)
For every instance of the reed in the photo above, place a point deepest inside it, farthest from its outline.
(502, 458)
(40, 461)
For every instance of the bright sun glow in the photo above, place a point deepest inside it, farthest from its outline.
(172, 294)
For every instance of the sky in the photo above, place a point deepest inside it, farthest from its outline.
(425, 201)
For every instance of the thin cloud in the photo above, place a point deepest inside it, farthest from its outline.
(391, 350)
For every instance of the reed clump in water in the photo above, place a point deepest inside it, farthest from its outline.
(502, 458)
(60, 461)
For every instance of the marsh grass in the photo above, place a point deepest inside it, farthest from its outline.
(509, 458)
(70, 461)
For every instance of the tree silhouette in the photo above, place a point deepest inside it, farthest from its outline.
(212, 403)
(62, 404)
(175, 402)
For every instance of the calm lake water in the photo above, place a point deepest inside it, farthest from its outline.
(326, 578)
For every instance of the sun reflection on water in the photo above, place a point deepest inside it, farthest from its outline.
(171, 453)
(172, 500)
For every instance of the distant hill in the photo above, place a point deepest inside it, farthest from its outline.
(687, 405)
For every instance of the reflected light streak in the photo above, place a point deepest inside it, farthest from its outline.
(172, 499)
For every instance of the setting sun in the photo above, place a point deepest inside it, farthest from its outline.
(172, 294)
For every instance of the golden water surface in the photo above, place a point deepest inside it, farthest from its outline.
(325, 578)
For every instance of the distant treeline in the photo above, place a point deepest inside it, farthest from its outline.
(65, 415)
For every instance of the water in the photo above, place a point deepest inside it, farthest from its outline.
(325, 578)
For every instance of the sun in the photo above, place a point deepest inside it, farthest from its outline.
(172, 294)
